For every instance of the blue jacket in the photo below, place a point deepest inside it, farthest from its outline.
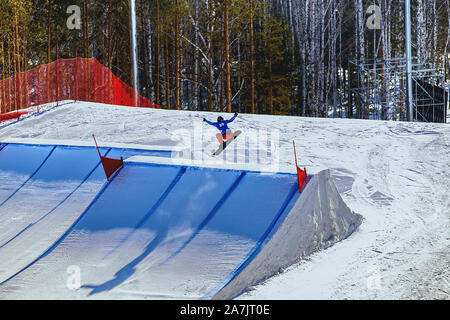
(222, 125)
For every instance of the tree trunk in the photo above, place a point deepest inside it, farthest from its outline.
(227, 57)
(304, 23)
(3, 77)
(109, 51)
(166, 57)
(49, 35)
(252, 61)
(158, 51)
(177, 58)
(149, 59)
(211, 61)
(361, 51)
(196, 93)
(435, 35)
(447, 67)
(86, 49)
(132, 84)
(85, 29)
(385, 40)
(421, 32)
(9, 80)
(17, 79)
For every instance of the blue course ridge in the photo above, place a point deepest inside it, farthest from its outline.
(30, 177)
(163, 213)
(258, 246)
(22, 159)
(153, 208)
(208, 217)
(58, 205)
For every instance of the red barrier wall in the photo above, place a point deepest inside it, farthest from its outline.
(77, 79)
(12, 115)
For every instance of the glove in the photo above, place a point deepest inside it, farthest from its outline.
(204, 119)
(235, 113)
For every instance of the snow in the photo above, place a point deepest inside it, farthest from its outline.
(394, 174)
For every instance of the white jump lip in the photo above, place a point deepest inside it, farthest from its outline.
(210, 164)
(84, 143)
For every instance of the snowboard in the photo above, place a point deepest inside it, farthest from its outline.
(227, 143)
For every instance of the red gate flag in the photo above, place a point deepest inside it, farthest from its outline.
(110, 165)
(301, 174)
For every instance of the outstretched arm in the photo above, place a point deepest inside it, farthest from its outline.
(209, 122)
(234, 117)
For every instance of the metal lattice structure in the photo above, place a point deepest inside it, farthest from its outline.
(378, 90)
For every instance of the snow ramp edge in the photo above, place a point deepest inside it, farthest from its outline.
(318, 219)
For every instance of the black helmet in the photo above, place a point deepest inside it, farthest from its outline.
(219, 118)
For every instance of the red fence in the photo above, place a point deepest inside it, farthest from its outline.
(68, 79)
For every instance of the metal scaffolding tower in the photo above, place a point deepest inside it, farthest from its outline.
(378, 90)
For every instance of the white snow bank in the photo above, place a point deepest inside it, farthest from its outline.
(84, 143)
(318, 219)
(209, 163)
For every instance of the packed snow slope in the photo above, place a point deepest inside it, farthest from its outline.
(394, 174)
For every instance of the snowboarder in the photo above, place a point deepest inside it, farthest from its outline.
(225, 132)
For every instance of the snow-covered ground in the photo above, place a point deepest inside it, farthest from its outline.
(395, 174)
